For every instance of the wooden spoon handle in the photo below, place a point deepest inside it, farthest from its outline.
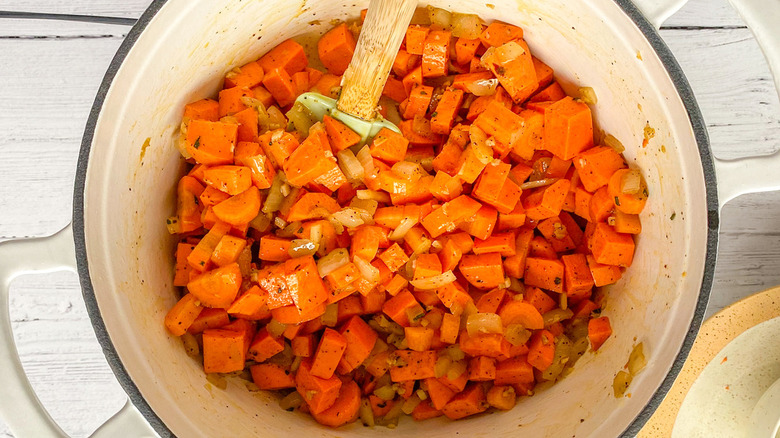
(381, 36)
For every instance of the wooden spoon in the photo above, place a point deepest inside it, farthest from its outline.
(363, 81)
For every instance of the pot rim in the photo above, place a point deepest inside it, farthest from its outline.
(656, 42)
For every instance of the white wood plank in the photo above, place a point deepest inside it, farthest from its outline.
(61, 355)
(705, 13)
(733, 86)
(44, 109)
(113, 8)
(36, 29)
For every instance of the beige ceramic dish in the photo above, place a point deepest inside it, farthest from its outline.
(715, 334)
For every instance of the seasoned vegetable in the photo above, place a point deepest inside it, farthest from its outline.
(440, 271)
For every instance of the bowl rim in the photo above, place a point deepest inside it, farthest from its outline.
(678, 79)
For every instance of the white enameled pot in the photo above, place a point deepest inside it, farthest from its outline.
(179, 51)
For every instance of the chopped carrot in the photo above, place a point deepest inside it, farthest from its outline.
(231, 102)
(223, 351)
(599, 330)
(436, 53)
(465, 49)
(519, 312)
(541, 349)
(498, 33)
(418, 102)
(611, 247)
(389, 146)
(345, 408)
(329, 352)
(204, 109)
(413, 365)
(360, 341)
(446, 110)
(271, 376)
(211, 143)
(248, 75)
(578, 280)
(547, 201)
(340, 136)
(484, 271)
(627, 203)
(318, 393)
(218, 287)
(596, 165)
(336, 48)
(240, 209)
(288, 55)
(544, 273)
(512, 64)
(415, 38)
(481, 224)
(181, 316)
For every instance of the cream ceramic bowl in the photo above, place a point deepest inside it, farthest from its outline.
(179, 51)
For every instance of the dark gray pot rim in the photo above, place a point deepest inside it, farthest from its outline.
(672, 67)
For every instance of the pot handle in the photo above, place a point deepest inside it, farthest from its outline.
(755, 174)
(751, 174)
(20, 408)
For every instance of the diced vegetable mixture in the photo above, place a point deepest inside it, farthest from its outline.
(443, 270)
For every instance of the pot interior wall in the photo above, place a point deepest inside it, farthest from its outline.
(182, 56)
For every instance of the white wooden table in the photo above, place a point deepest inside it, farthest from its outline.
(50, 71)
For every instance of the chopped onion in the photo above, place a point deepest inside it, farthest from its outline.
(366, 413)
(275, 197)
(564, 301)
(509, 52)
(217, 380)
(251, 102)
(435, 282)
(516, 334)
(279, 222)
(350, 165)
(400, 231)
(557, 315)
(479, 323)
(631, 182)
(315, 234)
(291, 401)
(302, 248)
(191, 346)
(637, 359)
(385, 392)
(409, 171)
(467, 26)
(285, 189)
(276, 119)
(483, 87)
(410, 404)
(374, 195)
(334, 260)
(331, 316)
(289, 230)
(367, 205)
(621, 382)
(366, 160)
(588, 95)
(454, 352)
(348, 217)
(614, 143)
(174, 227)
(440, 18)
(366, 269)
(300, 118)
(538, 183)
(261, 222)
(245, 261)
(456, 369)
(275, 328)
